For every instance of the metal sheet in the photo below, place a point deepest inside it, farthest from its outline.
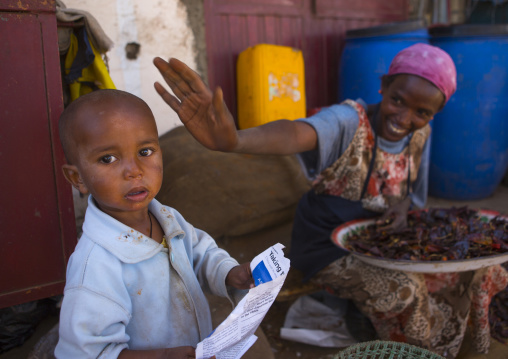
(37, 226)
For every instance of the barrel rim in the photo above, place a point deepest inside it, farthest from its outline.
(387, 29)
(469, 30)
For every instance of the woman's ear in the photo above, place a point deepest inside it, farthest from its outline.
(72, 176)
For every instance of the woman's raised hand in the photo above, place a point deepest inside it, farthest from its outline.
(206, 116)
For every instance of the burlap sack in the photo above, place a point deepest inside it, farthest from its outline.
(227, 193)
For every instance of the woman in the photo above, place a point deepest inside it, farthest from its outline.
(364, 160)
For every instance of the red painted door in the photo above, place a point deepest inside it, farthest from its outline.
(317, 27)
(37, 226)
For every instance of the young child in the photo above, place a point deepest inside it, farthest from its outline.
(134, 282)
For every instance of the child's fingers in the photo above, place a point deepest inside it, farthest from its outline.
(247, 268)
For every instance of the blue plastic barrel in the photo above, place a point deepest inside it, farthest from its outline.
(469, 153)
(368, 53)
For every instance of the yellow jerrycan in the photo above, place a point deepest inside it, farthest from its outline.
(270, 85)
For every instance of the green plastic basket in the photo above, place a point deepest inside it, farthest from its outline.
(386, 350)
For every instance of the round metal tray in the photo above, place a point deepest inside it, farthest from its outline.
(341, 233)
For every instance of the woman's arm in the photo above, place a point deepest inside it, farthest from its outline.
(208, 119)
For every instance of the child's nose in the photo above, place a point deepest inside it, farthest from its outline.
(133, 169)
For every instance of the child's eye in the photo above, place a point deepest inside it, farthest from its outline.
(145, 152)
(108, 159)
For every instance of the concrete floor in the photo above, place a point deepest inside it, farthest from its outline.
(497, 202)
(274, 319)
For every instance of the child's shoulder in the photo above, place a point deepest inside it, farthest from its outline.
(95, 276)
(89, 259)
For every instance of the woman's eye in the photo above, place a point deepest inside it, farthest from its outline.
(425, 115)
(108, 159)
(145, 152)
(396, 100)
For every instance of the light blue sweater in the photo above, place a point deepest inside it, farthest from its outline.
(125, 290)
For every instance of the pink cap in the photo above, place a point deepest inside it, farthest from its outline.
(429, 62)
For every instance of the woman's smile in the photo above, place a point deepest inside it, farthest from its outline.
(394, 127)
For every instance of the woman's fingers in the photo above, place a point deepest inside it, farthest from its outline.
(171, 100)
(191, 78)
(219, 105)
(383, 218)
(178, 74)
(177, 84)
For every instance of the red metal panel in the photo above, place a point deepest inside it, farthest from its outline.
(37, 230)
(252, 30)
(291, 32)
(291, 3)
(264, 7)
(350, 9)
(317, 27)
(54, 98)
(28, 5)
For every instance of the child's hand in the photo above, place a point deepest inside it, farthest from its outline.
(205, 116)
(181, 353)
(186, 352)
(240, 277)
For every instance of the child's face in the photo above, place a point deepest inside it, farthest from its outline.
(408, 104)
(117, 157)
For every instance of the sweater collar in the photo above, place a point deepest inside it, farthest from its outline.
(124, 242)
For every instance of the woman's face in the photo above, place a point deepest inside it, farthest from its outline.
(409, 103)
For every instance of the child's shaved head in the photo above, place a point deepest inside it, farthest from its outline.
(92, 104)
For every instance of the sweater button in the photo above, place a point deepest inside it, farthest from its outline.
(171, 257)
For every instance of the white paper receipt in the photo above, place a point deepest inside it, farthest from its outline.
(235, 335)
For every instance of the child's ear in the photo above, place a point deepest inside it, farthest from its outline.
(72, 176)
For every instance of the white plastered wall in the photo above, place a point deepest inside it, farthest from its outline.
(161, 28)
